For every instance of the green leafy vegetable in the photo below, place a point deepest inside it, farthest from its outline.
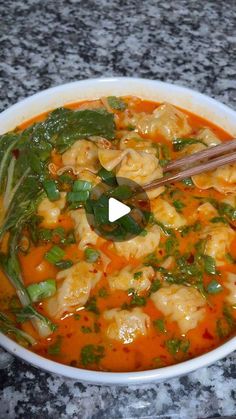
(180, 143)
(42, 290)
(121, 192)
(67, 126)
(27, 313)
(108, 177)
(8, 328)
(92, 354)
(116, 103)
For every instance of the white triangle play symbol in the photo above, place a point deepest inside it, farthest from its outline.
(116, 209)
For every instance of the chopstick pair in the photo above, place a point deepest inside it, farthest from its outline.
(216, 156)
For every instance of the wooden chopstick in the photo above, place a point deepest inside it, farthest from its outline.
(201, 155)
(201, 168)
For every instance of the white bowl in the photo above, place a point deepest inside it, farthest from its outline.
(90, 89)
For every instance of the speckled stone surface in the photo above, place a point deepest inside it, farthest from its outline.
(45, 43)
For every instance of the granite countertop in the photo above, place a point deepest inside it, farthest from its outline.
(45, 43)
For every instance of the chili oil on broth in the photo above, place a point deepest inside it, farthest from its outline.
(164, 342)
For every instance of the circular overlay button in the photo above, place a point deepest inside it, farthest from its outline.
(118, 212)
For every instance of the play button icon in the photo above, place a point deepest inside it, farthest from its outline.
(116, 210)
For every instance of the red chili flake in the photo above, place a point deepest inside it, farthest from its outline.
(190, 259)
(69, 335)
(126, 350)
(16, 153)
(207, 335)
(86, 318)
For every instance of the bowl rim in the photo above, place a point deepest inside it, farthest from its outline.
(118, 378)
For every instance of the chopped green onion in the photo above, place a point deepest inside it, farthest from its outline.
(214, 287)
(210, 265)
(86, 329)
(130, 224)
(92, 354)
(159, 324)
(44, 289)
(82, 185)
(55, 348)
(79, 196)
(54, 255)
(138, 275)
(179, 205)
(188, 182)
(108, 177)
(91, 255)
(64, 264)
(121, 192)
(155, 286)
(51, 189)
(216, 220)
(66, 179)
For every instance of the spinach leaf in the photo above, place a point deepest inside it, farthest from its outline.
(116, 103)
(79, 124)
(180, 143)
(8, 328)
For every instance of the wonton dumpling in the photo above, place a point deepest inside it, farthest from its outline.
(74, 290)
(139, 167)
(125, 279)
(167, 121)
(230, 284)
(223, 179)
(218, 240)
(82, 155)
(167, 214)
(83, 232)
(208, 137)
(182, 304)
(134, 141)
(139, 246)
(126, 325)
(51, 210)
(206, 211)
